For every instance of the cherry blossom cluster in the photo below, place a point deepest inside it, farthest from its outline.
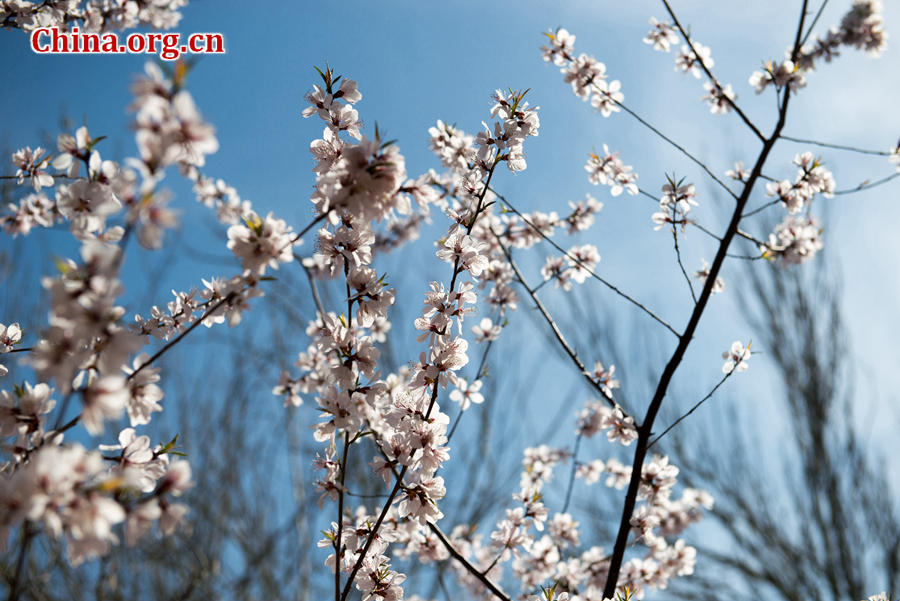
(169, 128)
(795, 240)
(784, 75)
(88, 352)
(605, 377)
(609, 170)
(692, 59)
(64, 487)
(83, 495)
(364, 203)
(10, 336)
(574, 266)
(91, 15)
(527, 229)
(584, 73)
(720, 99)
(542, 546)
(675, 203)
(812, 178)
(360, 182)
(860, 28)
(656, 520)
(662, 35)
(217, 194)
(598, 416)
(736, 358)
(515, 121)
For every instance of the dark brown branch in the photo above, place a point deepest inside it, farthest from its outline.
(646, 428)
(338, 543)
(455, 554)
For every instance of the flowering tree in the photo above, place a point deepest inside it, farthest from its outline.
(378, 422)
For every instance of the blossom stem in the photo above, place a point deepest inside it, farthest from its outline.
(312, 285)
(309, 226)
(678, 147)
(62, 410)
(761, 208)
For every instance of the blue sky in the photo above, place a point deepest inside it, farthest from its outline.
(416, 62)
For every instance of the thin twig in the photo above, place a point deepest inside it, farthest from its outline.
(571, 484)
(815, 20)
(761, 208)
(587, 269)
(17, 577)
(694, 408)
(484, 355)
(684, 272)
(311, 225)
(673, 143)
(866, 185)
(881, 153)
(312, 285)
